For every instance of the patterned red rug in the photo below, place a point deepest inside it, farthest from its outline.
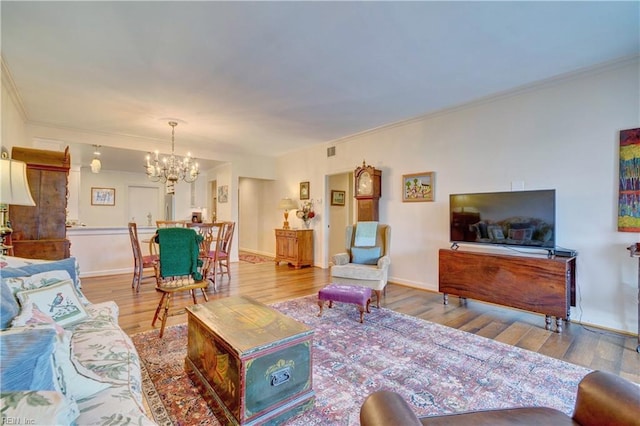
(253, 258)
(436, 368)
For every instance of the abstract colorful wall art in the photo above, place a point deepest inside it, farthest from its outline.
(629, 190)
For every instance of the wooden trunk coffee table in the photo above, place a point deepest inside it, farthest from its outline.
(251, 363)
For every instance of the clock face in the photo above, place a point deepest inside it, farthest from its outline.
(365, 186)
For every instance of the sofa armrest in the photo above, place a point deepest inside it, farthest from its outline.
(385, 408)
(604, 398)
(384, 262)
(341, 259)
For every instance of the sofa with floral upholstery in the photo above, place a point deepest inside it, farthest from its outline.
(63, 360)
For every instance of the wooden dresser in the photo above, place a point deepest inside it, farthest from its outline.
(40, 232)
(294, 246)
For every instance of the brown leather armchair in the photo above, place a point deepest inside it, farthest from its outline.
(603, 399)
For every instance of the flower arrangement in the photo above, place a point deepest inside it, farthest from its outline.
(305, 212)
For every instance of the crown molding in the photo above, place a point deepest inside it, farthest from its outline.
(91, 132)
(516, 91)
(12, 89)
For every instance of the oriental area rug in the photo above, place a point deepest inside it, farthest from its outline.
(437, 369)
(245, 256)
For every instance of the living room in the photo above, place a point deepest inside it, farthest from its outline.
(559, 132)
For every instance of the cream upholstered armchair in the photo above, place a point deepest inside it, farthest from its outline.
(366, 261)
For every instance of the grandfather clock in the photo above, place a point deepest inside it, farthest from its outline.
(368, 182)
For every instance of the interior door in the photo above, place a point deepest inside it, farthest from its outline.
(339, 215)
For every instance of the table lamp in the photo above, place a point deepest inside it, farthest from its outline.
(14, 189)
(287, 204)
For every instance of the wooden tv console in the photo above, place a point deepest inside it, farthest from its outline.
(538, 284)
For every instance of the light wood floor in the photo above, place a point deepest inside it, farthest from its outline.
(587, 346)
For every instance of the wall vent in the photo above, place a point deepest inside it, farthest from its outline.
(331, 151)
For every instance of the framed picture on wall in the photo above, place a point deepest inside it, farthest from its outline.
(223, 193)
(418, 187)
(304, 190)
(337, 198)
(103, 196)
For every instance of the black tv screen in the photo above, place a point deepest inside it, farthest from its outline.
(516, 218)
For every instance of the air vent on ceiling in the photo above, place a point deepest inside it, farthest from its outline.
(331, 151)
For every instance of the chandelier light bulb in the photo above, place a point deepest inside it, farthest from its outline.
(171, 169)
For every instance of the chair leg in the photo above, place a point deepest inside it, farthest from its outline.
(135, 283)
(204, 294)
(166, 314)
(155, 316)
(193, 296)
(378, 296)
(213, 274)
(224, 268)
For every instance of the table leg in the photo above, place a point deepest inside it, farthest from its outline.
(547, 322)
(558, 325)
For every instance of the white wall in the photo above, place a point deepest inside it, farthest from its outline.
(115, 215)
(106, 251)
(562, 134)
(13, 119)
(340, 216)
(254, 203)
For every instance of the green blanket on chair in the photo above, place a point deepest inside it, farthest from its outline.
(179, 250)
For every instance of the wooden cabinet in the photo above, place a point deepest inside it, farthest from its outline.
(294, 246)
(542, 285)
(40, 232)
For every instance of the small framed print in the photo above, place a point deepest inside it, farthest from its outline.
(223, 193)
(103, 196)
(337, 198)
(304, 190)
(418, 187)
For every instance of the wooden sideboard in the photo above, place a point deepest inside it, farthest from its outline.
(294, 246)
(537, 284)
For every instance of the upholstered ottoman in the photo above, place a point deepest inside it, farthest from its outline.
(354, 294)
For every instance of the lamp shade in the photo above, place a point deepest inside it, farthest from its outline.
(287, 204)
(14, 187)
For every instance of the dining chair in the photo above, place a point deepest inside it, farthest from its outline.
(179, 268)
(140, 261)
(223, 251)
(211, 234)
(172, 223)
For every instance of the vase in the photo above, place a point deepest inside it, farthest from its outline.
(307, 223)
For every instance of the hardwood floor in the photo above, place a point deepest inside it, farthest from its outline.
(267, 283)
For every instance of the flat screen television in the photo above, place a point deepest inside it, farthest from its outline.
(516, 218)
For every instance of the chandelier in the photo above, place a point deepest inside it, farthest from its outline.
(172, 169)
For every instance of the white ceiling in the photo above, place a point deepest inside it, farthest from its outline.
(268, 78)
